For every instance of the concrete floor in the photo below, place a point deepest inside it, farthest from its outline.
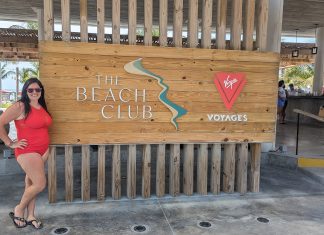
(292, 201)
(311, 138)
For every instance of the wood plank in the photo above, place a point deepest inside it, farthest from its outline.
(193, 23)
(307, 114)
(236, 26)
(255, 167)
(116, 174)
(229, 168)
(207, 12)
(48, 20)
(174, 170)
(177, 22)
(262, 24)
(101, 178)
(84, 20)
(116, 21)
(131, 171)
(80, 48)
(52, 175)
(85, 173)
(68, 173)
(66, 24)
(215, 169)
(132, 5)
(163, 22)
(160, 171)
(242, 162)
(148, 20)
(188, 169)
(221, 24)
(146, 171)
(248, 25)
(100, 21)
(102, 138)
(202, 169)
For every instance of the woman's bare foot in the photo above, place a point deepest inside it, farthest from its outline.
(19, 213)
(31, 220)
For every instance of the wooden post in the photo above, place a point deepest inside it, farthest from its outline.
(202, 169)
(163, 23)
(40, 21)
(188, 167)
(48, 20)
(174, 172)
(255, 167)
(177, 22)
(236, 27)
(100, 21)
(131, 171)
(193, 23)
(84, 20)
(262, 24)
(248, 25)
(116, 22)
(160, 171)
(116, 177)
(215, 169)
(148, 12)
(132, 22)
(66, 24)
(221, 24)
(101, 178)
(85, 173)
(52, 188)
(242, 160)
(146, 171)
(17, 82)
(68, 173)
(207, 12)
(229, 168)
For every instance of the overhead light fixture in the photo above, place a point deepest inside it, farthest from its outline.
(295, 53)
(314, 49)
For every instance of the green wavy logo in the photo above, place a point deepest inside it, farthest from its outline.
(135, 67)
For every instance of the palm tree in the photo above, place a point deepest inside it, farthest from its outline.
(26, 73)
(4, 73)
(300, 76)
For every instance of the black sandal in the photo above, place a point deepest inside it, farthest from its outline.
(30, 222)
(13, 217)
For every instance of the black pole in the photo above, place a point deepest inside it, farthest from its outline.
(297, 133)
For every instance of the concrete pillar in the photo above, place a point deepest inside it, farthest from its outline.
(274, 25)
(319, 63)
(40, 21)
(274, 43)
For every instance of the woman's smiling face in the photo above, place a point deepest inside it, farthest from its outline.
(34, 91)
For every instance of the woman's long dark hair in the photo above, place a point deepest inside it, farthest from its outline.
(25, 99)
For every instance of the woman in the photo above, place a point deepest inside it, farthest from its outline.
(281, 101)
(31, 149)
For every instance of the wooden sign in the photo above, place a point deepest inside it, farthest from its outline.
(101, 94)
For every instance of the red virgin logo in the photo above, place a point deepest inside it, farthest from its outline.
(229, 86)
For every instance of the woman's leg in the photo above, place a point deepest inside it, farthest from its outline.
(31, 205)
(33, 166)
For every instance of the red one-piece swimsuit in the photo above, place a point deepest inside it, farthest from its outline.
(34, 129)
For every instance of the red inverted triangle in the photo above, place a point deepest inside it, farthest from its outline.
(229, 86)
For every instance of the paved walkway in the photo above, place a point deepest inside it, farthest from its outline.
(311, 138)
(291, 201)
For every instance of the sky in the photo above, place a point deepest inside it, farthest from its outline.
(9, 84)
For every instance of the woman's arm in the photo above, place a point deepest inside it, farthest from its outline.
(12, 113)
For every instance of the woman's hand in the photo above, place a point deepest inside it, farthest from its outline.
(21, 144)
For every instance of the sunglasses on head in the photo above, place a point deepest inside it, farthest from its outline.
(31, 90)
